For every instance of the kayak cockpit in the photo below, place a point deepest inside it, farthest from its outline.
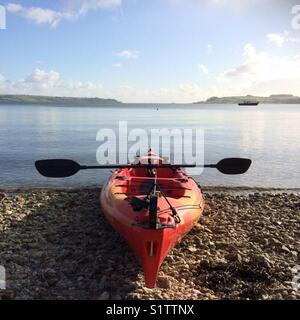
(152, 195)
(138, 181)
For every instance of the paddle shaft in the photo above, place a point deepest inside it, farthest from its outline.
(147, 166)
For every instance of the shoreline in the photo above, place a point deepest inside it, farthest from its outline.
(11, 99)
(217, 189)
(56, 244)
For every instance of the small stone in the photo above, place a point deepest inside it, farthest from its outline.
(50, 276)
(285, 248)
(192, 249)
(294, 253)
(261, 260)
(164, 282)
(233, 256)
(104, 296)
(205, 221)
(210, 296)
(197, 292)
(221, 261)
(275, 241)
(198, 227)
(205, 263)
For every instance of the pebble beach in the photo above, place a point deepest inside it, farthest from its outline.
(56, 244)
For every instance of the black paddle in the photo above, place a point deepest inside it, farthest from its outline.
(62, 168)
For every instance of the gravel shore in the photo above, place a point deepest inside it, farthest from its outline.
(57, 245)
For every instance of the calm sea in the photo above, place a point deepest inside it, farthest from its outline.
(268, 134)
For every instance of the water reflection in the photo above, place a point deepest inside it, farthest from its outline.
(268, 134)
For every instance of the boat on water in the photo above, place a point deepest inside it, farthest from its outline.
(249, 103)
(152, 204)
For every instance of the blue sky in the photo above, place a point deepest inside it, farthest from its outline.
(150, 50)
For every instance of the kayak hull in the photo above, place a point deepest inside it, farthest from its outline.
(151, 246)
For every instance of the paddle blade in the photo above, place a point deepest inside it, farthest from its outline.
(234, 165)
(57, 168)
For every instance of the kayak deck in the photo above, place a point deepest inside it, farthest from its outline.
(122, 203)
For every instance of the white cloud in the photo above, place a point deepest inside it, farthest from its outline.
(279, 39)
(129, 55)
(14, 7)
(88, 5)
(2, 79)
(236, 3)
(42, 79)
(42, 82)
(252, 65)
(225, 2)
(73, 85)
(276, 86)
(249, 52)
(203, 68)
(190, 89)
(183, 93)
(297, 56)
(75, 10)
(39, 15)
(263, 74)
(117, 65)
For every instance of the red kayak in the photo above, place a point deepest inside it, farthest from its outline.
(152, 209)
(150, 203)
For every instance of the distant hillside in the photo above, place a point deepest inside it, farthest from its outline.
(275, 98)
(26, 99)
